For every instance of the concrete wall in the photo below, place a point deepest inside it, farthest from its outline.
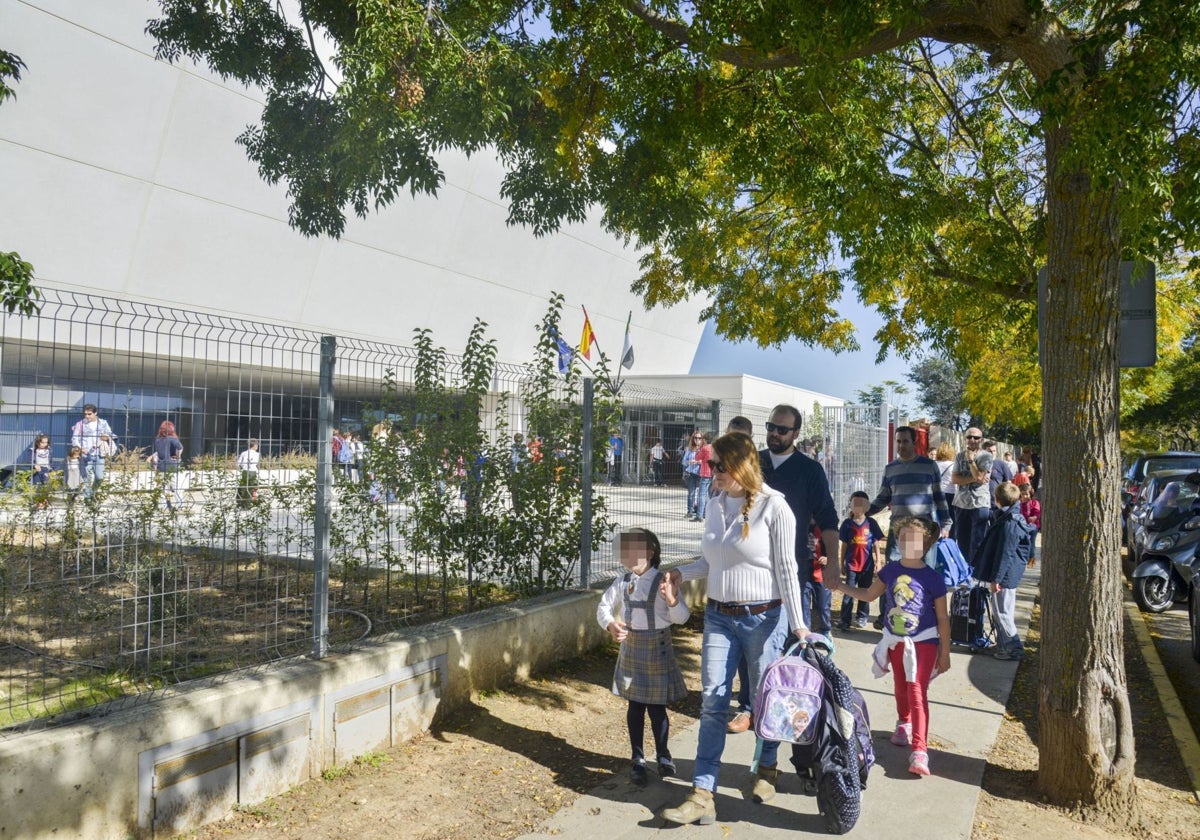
(167, 765)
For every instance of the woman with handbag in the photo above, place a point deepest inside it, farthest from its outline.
(748, 556)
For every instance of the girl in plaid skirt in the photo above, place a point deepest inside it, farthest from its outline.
(638, 610)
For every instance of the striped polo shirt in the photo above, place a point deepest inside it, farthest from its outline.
(912, 488)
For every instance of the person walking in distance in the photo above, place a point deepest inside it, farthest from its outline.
(96, 441)
(658, 463)
(247, 463)
(691, 472)
(973, 501)
(168, 450)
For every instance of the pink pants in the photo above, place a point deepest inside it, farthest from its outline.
(912, 700)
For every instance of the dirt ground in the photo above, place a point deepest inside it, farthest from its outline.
(500, 767)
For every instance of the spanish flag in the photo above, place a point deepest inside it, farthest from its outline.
(585, 341)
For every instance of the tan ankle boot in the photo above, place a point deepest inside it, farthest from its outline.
(764, 785)
(697, 808)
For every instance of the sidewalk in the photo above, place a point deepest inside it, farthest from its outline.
(966, 708)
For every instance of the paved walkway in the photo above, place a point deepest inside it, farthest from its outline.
(966, 708)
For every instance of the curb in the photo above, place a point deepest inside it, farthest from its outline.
(1185, 738)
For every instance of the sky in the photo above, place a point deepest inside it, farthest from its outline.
(838, 375)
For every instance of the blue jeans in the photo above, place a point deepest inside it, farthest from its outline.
(692, 482)
(93, 474)
(726, 637)
(863, 579)
(969, 525)
(822, 605)
(702, 496)
(745, 699)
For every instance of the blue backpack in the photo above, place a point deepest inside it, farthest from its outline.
(951, 563)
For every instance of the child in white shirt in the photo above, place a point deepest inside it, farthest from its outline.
(638, 610)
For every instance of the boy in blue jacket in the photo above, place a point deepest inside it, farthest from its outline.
(1003, 555)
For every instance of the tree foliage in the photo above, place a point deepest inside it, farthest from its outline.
(17, 292)
(940, 385)
(768, 154)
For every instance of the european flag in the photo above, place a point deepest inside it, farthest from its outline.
(564, 354)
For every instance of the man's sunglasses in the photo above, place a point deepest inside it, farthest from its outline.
(783, 430)
(716, 466)
(974, 437)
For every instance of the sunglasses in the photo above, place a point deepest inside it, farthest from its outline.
(783, 430)
(716, 466)
(974, 437)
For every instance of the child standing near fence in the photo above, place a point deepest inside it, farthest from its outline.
(74, 476)
(916, 632)
(638, 610)
(39, 478)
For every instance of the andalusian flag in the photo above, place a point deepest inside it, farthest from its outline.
(627, 351)
(585, 341)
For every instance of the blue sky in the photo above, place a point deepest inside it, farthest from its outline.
(805, 367)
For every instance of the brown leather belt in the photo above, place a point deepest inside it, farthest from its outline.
(743, 609)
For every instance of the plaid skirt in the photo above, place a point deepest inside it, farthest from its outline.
(646, 669)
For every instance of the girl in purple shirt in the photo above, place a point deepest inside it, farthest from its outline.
(916, 632)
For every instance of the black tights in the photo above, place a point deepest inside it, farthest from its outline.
(659, 726)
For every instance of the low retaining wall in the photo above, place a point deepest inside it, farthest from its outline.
(171, 764)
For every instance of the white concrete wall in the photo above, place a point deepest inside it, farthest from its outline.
(120, 176)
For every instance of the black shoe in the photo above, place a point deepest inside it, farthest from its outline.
(666, 767)
(878, 623)
(638, 775)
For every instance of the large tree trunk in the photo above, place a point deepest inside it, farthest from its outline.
(1085, 728)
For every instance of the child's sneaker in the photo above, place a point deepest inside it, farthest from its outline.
(902, 737)
(918, 763)
(1009, 653)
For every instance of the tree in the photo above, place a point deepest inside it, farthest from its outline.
(940, 386)
(17, 293)
(944, 151)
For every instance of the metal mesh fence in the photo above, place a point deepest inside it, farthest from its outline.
(452, 483)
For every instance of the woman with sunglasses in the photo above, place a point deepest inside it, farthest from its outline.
(748, 554)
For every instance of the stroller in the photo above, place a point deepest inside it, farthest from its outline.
(972, 618)
(805, 699)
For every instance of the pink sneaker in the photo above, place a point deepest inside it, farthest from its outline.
(918, 763)
(902, 737)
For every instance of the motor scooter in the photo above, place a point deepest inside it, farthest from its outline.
(1170, 537)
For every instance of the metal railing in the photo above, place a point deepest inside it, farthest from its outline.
(459, 483)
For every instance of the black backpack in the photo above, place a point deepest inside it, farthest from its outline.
(834, 765)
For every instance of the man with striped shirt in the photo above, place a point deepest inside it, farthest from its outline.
(912, 486)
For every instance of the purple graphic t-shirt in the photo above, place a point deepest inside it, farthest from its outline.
(908, 597)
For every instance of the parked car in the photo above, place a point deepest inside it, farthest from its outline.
(1137, 506)
(1166, 544)
(1143, 465)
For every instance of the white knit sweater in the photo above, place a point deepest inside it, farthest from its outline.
(761, 567)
